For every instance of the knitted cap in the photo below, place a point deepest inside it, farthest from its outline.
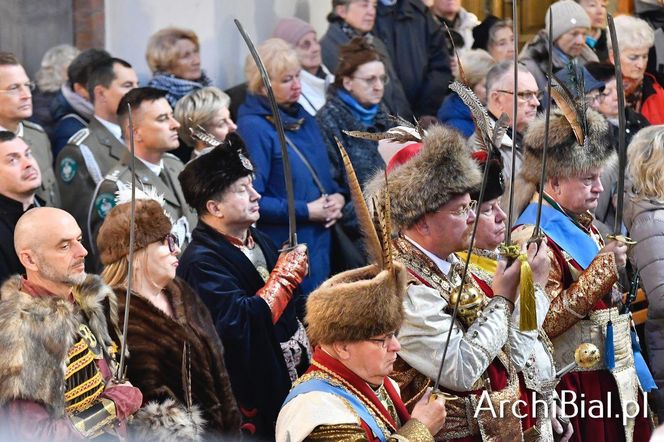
(567, 15)
(292, 29)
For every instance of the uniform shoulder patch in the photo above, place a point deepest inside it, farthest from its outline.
(33, 125)
(68, 168)
(104, 203)
(79, 136)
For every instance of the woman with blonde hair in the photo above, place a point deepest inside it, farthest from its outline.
(173, 55)
(644, 219)
(642, 92)
(206, 108)
(175, 354)
(316, 209)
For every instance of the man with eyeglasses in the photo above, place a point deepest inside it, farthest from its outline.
(15, 109)
(433, 213)
(353, 18)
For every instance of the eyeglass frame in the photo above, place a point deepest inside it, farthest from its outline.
(16, 88)
(172, 241)
(531, 94)
(371, 81)
(463, 211)
(384, 342)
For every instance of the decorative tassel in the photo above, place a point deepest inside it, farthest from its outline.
(609, 351)
(528, 317)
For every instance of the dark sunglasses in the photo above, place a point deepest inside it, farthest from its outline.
(172, 242)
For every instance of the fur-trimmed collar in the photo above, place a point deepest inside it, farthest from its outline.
(36, 332)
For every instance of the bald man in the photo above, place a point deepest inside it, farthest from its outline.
(58, 356)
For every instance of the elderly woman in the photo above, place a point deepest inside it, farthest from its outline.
(316, 209)
(207, 108)
(500, 44)
(642, 92)
(175, 354)
(173, 55)
(476, 65)
(644, 218)
(314, 76)
(596, 36)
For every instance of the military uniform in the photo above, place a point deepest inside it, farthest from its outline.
(82, 165)
(35, 137)
(166, 184)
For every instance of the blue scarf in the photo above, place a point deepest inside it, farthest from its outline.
(175, 87)
(366, 115)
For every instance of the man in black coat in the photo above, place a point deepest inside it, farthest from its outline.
(19, 181)
(417, 45)
(249, 288)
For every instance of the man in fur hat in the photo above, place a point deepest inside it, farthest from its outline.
(250, 289)
(58, 357)
(433, 213)
(583, 273)
(352, 320)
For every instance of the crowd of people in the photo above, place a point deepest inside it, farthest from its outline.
(207, 321)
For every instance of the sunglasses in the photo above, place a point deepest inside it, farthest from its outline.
(172, 242)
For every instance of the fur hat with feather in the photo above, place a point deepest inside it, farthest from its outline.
(442, 169)
(361, 303)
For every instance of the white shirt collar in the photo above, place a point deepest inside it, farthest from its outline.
(19, 130)
(443, 264)
(155, 168)
(113, 128)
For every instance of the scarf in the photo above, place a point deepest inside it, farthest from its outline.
(366, 115)
(82, 106)
(175, 87)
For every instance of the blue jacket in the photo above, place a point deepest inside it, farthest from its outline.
(227, 283)
(265, 151)
(454, 113)
(68, 122)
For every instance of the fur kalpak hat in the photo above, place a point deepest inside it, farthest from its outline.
(441, 170)
(362, 303)
(151, 225)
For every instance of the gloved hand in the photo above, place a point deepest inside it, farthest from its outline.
(288, 273)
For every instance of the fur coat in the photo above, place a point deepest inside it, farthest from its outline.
(157, 347)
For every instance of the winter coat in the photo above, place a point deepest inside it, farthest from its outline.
(535, 55)
(227, 283)
(418, 49)
(644, 220)
(653, 13)
(652, 101)
(454, 113)
(157, 343)
(338, 35)
(265, 151)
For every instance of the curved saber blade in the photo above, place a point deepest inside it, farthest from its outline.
(288, 176)
(464, 274)
(515, 109)
(132, 239)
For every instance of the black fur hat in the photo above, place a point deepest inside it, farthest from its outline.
(209, 175)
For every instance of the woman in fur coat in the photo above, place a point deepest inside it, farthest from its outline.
(175, 355)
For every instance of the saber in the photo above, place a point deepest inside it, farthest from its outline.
(132, 239)
(288, 176)
(622, 149)
(515, 109)
(586, 356)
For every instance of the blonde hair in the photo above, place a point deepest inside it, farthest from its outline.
(199, 108)
(632, 33)
(53, 71)
(645, 162)
(476, 65)
(278, 57)
(116, 273)
(161, 53)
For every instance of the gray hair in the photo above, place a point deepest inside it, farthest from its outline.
(476, 65)
(632, 33)
(53, 72)
(498, 72)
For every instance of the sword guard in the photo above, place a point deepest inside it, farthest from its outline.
(537, 239)
(623, 239)
(510, 252)
(446, 396)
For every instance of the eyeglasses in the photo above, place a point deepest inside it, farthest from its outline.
(372, 81)
(593, 98)
(16, 88)
(384, 342)
(463, 211)
(525, 95)
(172, 242)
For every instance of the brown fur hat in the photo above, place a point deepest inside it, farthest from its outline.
(152, 224)
(356, 305)
(441, 170)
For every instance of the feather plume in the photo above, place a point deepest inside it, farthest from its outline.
(500, 129)
(566, 103)
(477, 111)
(198, 132)
(123, 194)
(399, 134)
(462, 75)
(373, 245)
(383, 224)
